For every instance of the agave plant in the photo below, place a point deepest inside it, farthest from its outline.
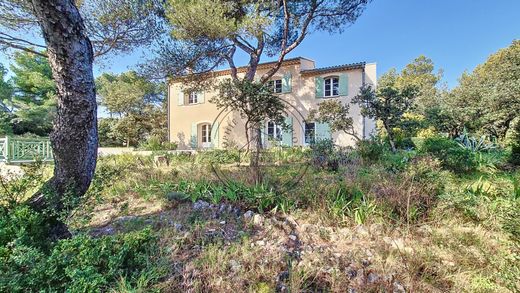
(474, 144)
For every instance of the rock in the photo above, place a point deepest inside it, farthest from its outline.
(293, 237)
(248, 215)
(361, 230)
(200, 205)
(222, 222)
(260, 243)
(351, 273)
(398, 288)
(258, 219)
(235, 265)
(372, 278)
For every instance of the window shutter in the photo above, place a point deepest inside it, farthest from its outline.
(322, 131)
(200, 96)
(319, 87)
(193, 137)
(343, 84)
(287, 83)
(180, 100)
(214, 135)
(287, 134)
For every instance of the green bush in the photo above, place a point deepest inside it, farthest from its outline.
(452, 156)
(155, 143)
(79, 264)
(218, 156)
(370, 151)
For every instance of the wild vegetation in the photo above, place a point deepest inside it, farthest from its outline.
(377, 221)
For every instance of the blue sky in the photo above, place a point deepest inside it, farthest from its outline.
(456, 34)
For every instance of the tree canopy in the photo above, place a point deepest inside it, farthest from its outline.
(213, 30)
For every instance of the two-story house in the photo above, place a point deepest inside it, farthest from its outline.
(195, 123)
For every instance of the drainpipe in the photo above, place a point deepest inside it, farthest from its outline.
(363, 84)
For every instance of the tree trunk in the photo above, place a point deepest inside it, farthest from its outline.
(390, 134)
(74, 138)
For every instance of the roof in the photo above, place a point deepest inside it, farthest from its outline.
(290, 61)
(357, 65)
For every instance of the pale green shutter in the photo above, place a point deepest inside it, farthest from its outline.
(322, 131)
(343, 84)
(193, 136)
(319, 87)
(287, 134)
(214, 135)
(200, 96)
(180, 99)
(287, 83)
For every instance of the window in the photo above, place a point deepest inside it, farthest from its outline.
(310, 132)
(331, 87)
(193, 98)
(275, 85)
(206, 133)
(274, 132)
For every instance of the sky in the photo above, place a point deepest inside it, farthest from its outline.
(456, 34)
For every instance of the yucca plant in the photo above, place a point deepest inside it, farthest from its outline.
(474, 144)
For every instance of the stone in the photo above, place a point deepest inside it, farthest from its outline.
(293, 237)
(372, 278)
(258, 219)
(222, 222)
(248, 215)
(235, 265)
(200, 205)
(260, 243)
(361, 230)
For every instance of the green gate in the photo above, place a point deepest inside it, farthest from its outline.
(25, 150)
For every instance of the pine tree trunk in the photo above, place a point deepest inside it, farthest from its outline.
(74, 138)
(390, 134)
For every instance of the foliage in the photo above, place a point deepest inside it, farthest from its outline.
(420, 74)
(388, 103)
(114, 26)
(336, 115)
(32, 104)
(452, 156)
(137, 102)
(156, 143)
(487, 99)
(79, 264)
(371, 151)
(214, 30)
(325, 155)
(474, 144)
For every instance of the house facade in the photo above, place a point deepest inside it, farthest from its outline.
(196, 123)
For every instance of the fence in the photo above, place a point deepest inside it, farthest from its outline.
(24, 150)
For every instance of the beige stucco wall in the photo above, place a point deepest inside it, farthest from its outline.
(301, 99)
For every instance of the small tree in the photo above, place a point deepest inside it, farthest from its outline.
(255, 103)
(336, 114)
(387, 104)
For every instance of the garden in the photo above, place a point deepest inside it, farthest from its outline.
(443, 216)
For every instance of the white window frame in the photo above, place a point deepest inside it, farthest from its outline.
(193, 98)
(276, 129)
(331, 81)
(276, 86)
(305, 133)
(205, 133)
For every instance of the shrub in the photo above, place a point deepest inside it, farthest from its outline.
(79, 264)
(412, 194)
(324, 155)
(370, 151)
(155, 143)
(451, 155)
(218, 156)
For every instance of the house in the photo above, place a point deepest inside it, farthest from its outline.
(195, 123)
